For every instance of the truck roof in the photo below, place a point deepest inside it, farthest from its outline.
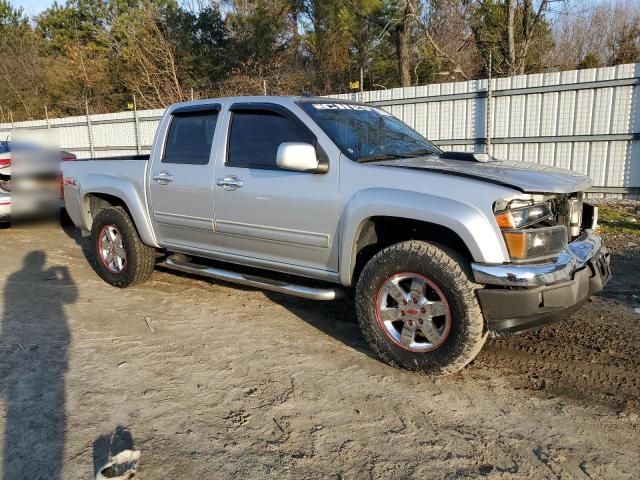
(278, 99)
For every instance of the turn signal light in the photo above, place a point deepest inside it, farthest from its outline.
(505, 220)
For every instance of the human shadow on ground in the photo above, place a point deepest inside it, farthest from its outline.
(33, 364)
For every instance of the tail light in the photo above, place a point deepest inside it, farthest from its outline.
(65, 158)
(5, 162)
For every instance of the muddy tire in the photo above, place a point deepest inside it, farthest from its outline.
(417, 308)
(119, 256)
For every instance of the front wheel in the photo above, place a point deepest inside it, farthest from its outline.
(120, 257)
(417, 308)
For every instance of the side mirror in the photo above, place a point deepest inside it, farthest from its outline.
(297, 156)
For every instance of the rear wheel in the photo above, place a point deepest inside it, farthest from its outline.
(417, 308)
(120, 257)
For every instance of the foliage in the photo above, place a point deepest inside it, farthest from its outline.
(102, 53)
(590, 60)
(532, 34)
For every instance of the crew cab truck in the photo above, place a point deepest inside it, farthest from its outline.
(320, 198)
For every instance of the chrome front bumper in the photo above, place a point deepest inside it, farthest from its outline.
(574, 257)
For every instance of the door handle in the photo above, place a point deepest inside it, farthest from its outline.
(230, 183)
(163, 178)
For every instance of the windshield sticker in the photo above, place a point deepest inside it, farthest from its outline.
(347, 106)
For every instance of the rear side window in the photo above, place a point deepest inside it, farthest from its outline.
(256, 135)
(190, 138)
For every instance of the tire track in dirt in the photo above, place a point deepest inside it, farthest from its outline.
(592, 355)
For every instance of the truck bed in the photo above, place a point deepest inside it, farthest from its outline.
(123, 177)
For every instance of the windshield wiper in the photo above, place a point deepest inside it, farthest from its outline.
(393, 156)
(379, 157)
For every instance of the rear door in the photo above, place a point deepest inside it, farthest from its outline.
(181, 183)
(264, 212)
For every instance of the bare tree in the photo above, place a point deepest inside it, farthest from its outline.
(445, 29)
(600, 32)
(398, 27)
(152, 69)
(21, 72)
(511, 42)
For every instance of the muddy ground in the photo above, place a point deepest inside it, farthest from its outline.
(210, 380)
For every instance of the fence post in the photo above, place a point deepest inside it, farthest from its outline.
(46, 116)
(136, 126)
(488, 121)
(89, 130)
(12, 124)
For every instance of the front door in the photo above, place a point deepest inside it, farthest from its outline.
(264, 212)
(181, 183)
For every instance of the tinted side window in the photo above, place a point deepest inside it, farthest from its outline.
(256, 135)
(190, 138)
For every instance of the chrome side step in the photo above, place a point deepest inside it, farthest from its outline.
(253, 281)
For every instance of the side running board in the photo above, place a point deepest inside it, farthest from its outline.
(312, 293)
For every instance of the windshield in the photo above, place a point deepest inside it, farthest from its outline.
(366, 133)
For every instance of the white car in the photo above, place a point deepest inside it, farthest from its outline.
(5, 207)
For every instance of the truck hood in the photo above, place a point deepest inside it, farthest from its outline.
(524, 176)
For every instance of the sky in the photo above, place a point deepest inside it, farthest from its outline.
(33, 7)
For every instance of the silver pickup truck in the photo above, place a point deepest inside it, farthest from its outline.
(320, 198)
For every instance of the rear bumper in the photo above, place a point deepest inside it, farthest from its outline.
(545, 293)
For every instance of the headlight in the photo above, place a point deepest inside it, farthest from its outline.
(535, 242)
(524, 216)
(531, 243)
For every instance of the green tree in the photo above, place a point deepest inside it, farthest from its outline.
(21, 67)
(396, 20)
(590, 60)
(516, 35)
(11, 17)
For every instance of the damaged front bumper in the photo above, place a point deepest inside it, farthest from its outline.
(521, 297)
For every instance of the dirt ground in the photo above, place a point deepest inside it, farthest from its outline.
(211, 380)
